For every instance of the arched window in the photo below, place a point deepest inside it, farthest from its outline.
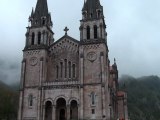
(33, 37)
(30, 100)
(95, 32)
(91, 15)
(74, 70)
(65, 63)
(88, 32)
(57, 70)
(74, 110)
(39, 38)
(61, 64)
(98, 13)
(43, 21)
(93, 98)
(69, 65)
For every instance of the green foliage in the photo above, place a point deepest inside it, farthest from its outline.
(143, 97)
(8, 102)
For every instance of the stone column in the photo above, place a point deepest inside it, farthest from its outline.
(103, 84)
(84, 33)
(20, 111)
(81, 32)
(43, 112)
(39, 89)
(100, 31)
(42, 99)
(20, 106)
(81, 88)
(41, 72)
(53, 112)
(91, 32)
(36, 38)
(78, 112)
(23, 68)
(68, 112)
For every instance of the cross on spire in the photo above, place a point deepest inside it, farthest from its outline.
(66, 30)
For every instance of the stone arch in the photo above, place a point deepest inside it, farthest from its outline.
(73, 98)
(50, 100)
(74, 110)
(61, 96)
(61, 109)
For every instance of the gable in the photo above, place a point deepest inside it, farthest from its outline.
(64, 45)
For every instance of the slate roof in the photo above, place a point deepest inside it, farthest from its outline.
(41, 11)
(41, 8)
(91, 6)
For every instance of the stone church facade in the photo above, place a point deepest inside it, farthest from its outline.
(69, 79)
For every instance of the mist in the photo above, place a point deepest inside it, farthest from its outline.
(132, 27)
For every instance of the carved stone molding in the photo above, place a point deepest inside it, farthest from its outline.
(36, 52)
(92, 56)
(33, 61)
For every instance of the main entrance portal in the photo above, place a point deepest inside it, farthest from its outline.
(48, 110)
(61, 109)
(62, 114)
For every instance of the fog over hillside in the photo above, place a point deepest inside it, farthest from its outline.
(132, 27)
(9, 71)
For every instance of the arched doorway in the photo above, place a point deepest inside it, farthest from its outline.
(74, 110)
(61, 109)
(48, 110)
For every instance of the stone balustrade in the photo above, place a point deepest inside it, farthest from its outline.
(60, 82)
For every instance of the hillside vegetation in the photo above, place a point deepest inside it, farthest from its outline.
(143, 97)
(8, 102)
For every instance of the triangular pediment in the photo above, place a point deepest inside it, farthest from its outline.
(65, 44)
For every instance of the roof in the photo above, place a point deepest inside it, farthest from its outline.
(41, 8)
(91, 5)
(67, 37)
(40, 16)
(121, 93)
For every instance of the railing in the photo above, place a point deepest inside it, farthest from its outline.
(56, 82)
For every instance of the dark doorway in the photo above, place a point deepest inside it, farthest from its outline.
(74, 110)
(48, 111)
(61, 109)
(62, 114)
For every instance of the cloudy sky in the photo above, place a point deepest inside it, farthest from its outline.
(133, 28)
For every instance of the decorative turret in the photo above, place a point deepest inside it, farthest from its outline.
(40, 16)
(92, 29)
(92, 10)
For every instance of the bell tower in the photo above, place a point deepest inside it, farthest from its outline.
(94, 66)
(39, 37)
(92, 29)
(39, 32)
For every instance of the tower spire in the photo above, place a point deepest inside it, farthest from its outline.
(39, 32)
(41, 8)
(91, 8)
(41, 16)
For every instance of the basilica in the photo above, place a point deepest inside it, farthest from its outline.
(69, 79)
